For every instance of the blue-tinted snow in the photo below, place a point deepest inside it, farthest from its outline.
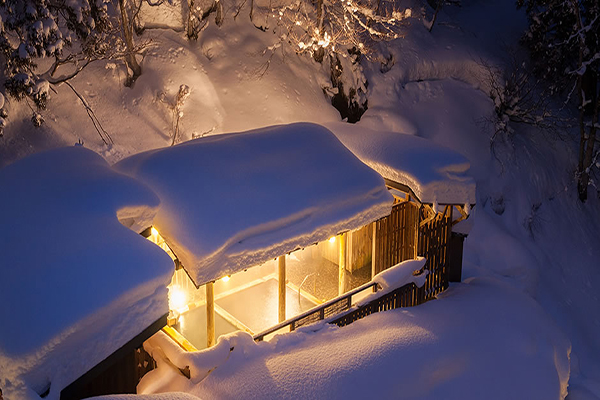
(75, 284)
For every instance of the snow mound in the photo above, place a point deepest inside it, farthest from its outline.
(233, 201)
(75, 283)
(199, 364)
(481, 340)
(435, 173)
(401, 274)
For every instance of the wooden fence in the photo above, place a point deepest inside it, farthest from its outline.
(406, 233)
(405, 296)
(396, 242)
(396, 236)
(434, 241)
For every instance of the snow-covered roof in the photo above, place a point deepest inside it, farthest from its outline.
(229, 202)
(435, 173)
(75, 284)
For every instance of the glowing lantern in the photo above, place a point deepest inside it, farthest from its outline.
(177, 297)
(332, 239)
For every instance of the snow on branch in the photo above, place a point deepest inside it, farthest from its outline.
(333, 26)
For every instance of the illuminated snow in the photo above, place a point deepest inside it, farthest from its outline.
(234, 201)
(435, 173)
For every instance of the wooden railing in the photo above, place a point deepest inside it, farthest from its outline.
(406, 296)
(330, 308)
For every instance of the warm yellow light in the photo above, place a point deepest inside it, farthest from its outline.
(332, 239)
(177, 297)
(153, 231)
(225, 278)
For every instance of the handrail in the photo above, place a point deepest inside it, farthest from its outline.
(300, 288)
(260, 336)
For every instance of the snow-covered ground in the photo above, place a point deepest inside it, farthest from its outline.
(526, 319)
(466, 345)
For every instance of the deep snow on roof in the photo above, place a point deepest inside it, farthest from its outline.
(75, 284)
(229, 202)
(435, 173)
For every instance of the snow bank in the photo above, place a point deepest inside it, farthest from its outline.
(435, 173)
(482, 340)
(198, 364)
(75, 284)
(233, 201)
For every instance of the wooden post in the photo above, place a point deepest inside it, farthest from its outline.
(210, 314)
(374, 251)
(342, 264)
(349, 250)
(417, 229)
(282, 288)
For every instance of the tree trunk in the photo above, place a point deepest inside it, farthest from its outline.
(220, 15)
(587, 156)
(191, 31)
(582, 172)
(320, 16)
(130, 54)
(319, 54)
(435, 14)
(583, 177)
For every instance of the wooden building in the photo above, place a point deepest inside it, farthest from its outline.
(290, 271)
(261, 231)
(433, 192)
(268, 215)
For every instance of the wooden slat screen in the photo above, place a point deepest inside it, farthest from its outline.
(434, 240)
(396, 235)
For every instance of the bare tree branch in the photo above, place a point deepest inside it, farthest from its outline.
(104, 135)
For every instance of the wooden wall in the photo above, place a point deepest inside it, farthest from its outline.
(120, 372)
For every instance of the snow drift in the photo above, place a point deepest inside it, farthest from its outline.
(482, 340)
